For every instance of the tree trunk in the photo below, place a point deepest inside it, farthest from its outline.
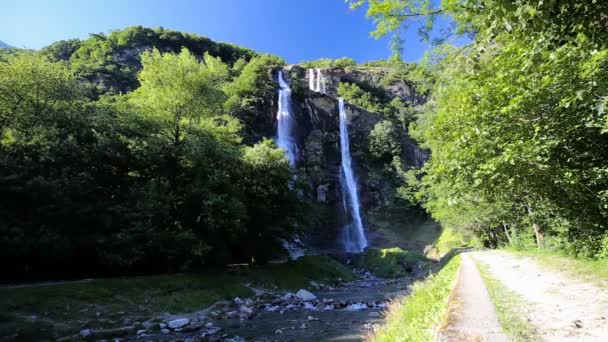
(538, 231)
(504, 226)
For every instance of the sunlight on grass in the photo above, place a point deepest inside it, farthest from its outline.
(415, 317)
(508, 307)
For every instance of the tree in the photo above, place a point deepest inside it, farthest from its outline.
(384, 141)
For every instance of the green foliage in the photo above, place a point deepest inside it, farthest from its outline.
(252, 84)
(343, 62)
(154, 180)
(353, 94)
(389, 262)
(384, 142)
(297, 274)
(415, 317)
(61, 50)
(516, 124)
(113, 61)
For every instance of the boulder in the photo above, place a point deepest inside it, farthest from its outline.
(305, 295)
(86, 333)
(178, 323)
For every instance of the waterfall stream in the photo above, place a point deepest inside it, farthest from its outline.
(316, 81)
(353, 237)
(286, 123)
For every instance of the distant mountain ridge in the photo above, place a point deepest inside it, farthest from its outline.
(3, 45)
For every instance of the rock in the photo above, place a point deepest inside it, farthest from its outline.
(374, 314)
(578, 323)
(86, 333)
(305, 295)
(209, 325)
(162, 325)
(273, 308)
(310, 318)
(192, 327)
(209, 332)
(140, 332)
(288, 296)
(246, 312)
(232, 314)
(278, 332)
(431, 252)
(238, 301)
(178, 323)
(165, 331)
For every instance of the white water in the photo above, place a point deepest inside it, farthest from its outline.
(316, 82)
(286, 122)
(353, 237)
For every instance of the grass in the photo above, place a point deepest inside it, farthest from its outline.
(415, 317)
(52, 311)
(508, 308)
(595, 271)
(389, 262)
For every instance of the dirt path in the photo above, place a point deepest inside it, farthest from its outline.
(560, 308)
(471, 315)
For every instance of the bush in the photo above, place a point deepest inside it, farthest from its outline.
(389, 262)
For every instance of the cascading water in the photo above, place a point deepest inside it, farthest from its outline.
(286, 122)
(286, 140)
(353, 237)
(316, 83)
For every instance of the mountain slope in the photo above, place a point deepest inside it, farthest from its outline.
(3, 45)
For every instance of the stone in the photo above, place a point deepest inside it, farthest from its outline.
(192, 327)
(305, 295)
(288, 296)
(86, 333)
(232, 314)
(162, 325)
(278, 332)
(178, 323)
(165, 331)
(374, 314)
(211, 331)
(246, 312)
(238, 301)
(140, 332)
(310, 318)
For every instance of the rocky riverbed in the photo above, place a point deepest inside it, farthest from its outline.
(325, 313)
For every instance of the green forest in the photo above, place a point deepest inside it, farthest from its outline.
(516, 122)
(99, 180)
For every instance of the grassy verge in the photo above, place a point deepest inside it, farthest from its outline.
(415, 317)
(508, 305)
(595, 271)
(389, 262)
(53, 311)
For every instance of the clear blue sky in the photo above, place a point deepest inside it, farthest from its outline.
(294, 29)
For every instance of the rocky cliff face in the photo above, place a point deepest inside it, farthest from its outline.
(318, 165)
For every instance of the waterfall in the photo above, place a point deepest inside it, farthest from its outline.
(316, 83)
(286, 123)
(353, 238)
(311, 79)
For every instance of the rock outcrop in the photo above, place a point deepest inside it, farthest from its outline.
(318, 163)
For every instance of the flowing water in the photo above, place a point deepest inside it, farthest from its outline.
(316, 81)
(353, 237)
(286, 122)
